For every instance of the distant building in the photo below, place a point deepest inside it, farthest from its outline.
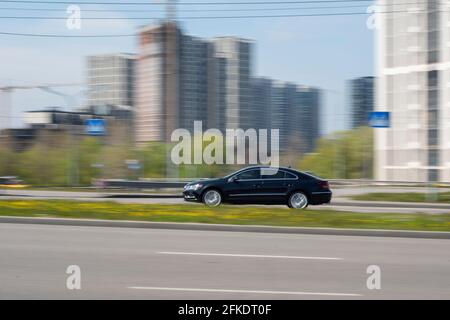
(195, 58)
(413, 85)
(181, 79)
(50, 125)
(361, 100)
(237, 67)
(17, 139)
(157, 82)
(53, 118)
(291, 108)
(110, 79)
(217, 97)
(305, 124)
(172, 82)
(281, 103)
(262, 90)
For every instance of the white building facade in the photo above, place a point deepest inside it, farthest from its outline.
(111, 79)
(413, 84)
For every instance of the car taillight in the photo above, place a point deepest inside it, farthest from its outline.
(324, 184)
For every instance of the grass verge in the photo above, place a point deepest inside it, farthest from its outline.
(443, 197)
(270, 216)
(96, 190)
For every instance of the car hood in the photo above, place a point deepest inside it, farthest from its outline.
(205, 181)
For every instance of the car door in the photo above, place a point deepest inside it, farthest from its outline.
(245, 187)
(273, 184)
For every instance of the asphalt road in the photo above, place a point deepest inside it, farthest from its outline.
(339, 202)
(181, 264)
(338, 192)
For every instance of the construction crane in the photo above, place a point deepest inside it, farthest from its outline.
(6, 92)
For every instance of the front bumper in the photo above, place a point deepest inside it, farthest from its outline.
(191, 195)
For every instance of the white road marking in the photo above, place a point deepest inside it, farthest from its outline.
(247, 255)
(249, 291)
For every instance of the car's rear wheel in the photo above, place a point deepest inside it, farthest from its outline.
(298, 200)
(212, 198)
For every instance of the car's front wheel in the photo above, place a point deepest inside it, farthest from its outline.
(212, 198)
(298, 200)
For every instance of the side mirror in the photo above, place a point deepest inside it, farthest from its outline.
(233, 179)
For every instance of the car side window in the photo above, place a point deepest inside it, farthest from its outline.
(291, 176)
(249, 175)
(271, 173)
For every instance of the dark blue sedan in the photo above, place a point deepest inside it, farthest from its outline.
(261, 185)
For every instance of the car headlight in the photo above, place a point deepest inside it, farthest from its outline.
(194, 186)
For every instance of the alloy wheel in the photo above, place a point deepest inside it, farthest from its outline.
(298, 200)
(212, 198)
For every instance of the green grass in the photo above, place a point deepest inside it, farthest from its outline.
(93, 190)
(443, 197)
(271, 216)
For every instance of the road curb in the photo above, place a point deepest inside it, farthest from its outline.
(142, 196)
(229, 228)
(391, 204)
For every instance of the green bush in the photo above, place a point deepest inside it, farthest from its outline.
(346, 155)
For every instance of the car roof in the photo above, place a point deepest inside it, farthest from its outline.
(269, 167)
(300, 174)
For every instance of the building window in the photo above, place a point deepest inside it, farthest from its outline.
(433, 175)
(433, 31)
(432, 138)
(433, 157)
(433, 108)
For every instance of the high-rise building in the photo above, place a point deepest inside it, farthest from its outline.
(182, 79)
(305, 124)
(110, 79)
(157, 82)
(235, 56)
(361, 100)
(217, 87)
(413, 85)
(291, 108)
(262, 100)
(279, 115)
(195, 60)
(172, 82)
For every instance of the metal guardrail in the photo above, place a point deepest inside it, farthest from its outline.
(138, 184)
(178, 184)
(388, 183)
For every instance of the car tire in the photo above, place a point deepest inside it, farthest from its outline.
(298, 200)
(212, 198)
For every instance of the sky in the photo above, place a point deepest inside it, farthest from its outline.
(322, 51)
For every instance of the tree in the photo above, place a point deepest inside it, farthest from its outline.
(346, 155)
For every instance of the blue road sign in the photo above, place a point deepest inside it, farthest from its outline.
(95, 127)
(379, 119)
(133, 164)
